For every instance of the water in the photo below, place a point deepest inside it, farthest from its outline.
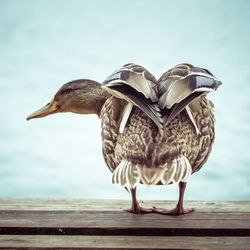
(44, 44)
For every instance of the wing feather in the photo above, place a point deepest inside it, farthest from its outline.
(180, 85)
(162, 101)
(137, 77)
(136, 85)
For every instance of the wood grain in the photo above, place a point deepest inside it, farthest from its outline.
(116, 205)
(102, 224)
(122, 223)
(122, 242)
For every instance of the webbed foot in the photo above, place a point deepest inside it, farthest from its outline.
(175, 211)
(137, 209)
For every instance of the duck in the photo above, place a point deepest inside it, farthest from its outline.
(154, 132)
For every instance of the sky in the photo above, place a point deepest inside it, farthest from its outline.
(44, 44)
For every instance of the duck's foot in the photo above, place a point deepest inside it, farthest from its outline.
(178, 210)
(137, 209)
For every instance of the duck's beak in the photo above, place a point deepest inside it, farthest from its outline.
(48, 109)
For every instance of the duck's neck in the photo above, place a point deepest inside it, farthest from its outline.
(98, 98)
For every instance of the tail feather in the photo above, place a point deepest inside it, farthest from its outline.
(123, 174)
(130, 174)
(151, 176)
(169, 173)
(179, 171)
(188, 170)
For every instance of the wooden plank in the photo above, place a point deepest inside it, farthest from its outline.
(115, 205)
(123, 242)
(122, 223)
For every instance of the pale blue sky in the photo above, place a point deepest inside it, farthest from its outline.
(44, 44)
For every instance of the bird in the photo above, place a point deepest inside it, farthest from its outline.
(154, 132)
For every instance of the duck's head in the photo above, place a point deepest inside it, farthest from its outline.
(79, 96)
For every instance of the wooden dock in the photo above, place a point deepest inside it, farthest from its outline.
(102, 224)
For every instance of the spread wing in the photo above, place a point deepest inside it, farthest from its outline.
(181, 85)
(137, 86)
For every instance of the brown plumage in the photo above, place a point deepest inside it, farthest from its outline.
(153, 132)
(169, 132)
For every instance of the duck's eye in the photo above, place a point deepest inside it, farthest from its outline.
(65, 91)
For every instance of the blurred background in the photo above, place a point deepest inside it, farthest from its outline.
(44, 44)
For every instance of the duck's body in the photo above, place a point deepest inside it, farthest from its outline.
(141, 144)
(153, 132)
(169, 131)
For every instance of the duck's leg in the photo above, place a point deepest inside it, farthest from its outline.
(179, 209)
(136, 208)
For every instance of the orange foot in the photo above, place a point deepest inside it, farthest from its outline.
(137, 209)
(176, 211)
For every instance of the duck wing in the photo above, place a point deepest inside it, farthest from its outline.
(180, 85)
(137, 86)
